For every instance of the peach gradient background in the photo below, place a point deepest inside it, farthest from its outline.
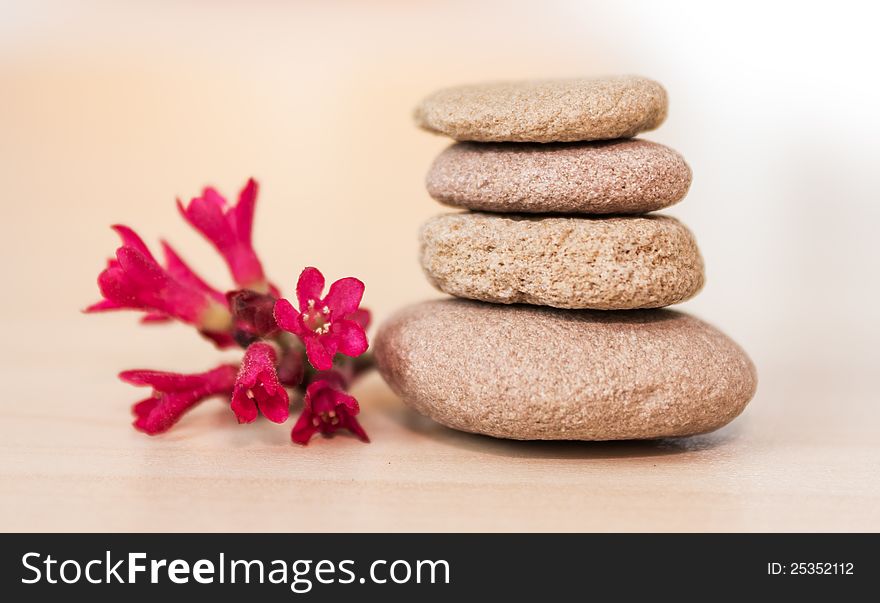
(109, 110)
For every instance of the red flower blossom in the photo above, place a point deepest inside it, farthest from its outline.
(257, 386)
(331, 329)
(326, 409)
(229, 230)
(325, 325)
(174, 394)
(135, 280)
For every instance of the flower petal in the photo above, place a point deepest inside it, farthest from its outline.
(350, 337)
(244, 408)
(320, 351)
(131, 239)
(275, 405)
(105, 305)
(304, 429)
(152, 318)
(287, 317)
(350, 403)
(344, 297)
(309, 287)
(315, 387)
(161, 415)
(361, 316)
(142, 271)
(145, 407)
(218, 380)
(132, 283)
(212, 196)
(206, 215)
(162, 381)
(181, 271)
(353, 426)
(244, 211)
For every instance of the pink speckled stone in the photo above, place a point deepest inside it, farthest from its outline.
(546, 110)
(620, 176)
(530, 373)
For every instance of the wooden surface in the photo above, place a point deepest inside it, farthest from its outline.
(803, 457)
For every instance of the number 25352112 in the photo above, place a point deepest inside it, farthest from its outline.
(818, 568)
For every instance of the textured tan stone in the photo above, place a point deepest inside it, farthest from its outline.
(546, 110)
(524, 372)
(621, 176)
(610, 263)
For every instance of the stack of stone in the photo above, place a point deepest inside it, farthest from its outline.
(560, 273)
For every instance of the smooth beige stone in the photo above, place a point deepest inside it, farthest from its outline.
(529, 373)
(620, 176)
(617, 263)
(565, 110)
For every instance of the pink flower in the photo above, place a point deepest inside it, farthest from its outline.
(257, 386)
(326, 409)
(174, 394)
(325, 325)
(229, 230)
(135, 280)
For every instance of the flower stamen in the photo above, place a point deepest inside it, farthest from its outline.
(317, 321)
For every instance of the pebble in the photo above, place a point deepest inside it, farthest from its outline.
(603, 263)
(531, 373)
(546, 110)
(620, 176)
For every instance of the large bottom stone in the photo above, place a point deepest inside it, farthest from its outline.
(531, 373)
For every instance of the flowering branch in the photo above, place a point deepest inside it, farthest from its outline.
(317, 350)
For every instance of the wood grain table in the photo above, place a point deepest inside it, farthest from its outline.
(804, 456)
